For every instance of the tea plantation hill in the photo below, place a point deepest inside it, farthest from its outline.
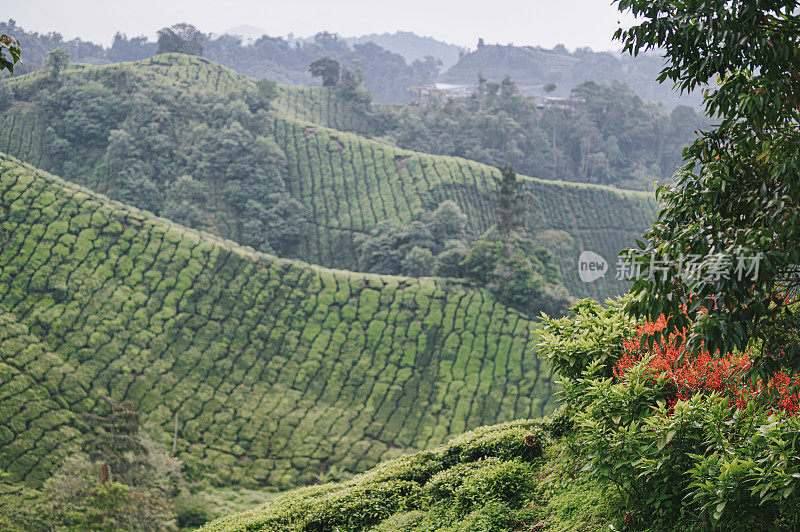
(278, 370)
(346, 183)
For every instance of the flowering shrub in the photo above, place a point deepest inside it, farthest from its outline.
(684, 438)
(687, 375)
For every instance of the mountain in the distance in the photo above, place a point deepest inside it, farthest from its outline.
(531, 68)
(412, 46)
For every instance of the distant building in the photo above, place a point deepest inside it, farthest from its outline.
(441, 92)
(554, 102)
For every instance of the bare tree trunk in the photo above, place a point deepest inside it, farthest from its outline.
(175, 434)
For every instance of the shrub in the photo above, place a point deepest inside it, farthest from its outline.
(685, 437)
(592, 333)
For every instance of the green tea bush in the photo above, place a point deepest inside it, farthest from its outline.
(481, 478)
(592, 333)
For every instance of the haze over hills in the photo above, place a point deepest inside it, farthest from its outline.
(391, 62)
(532, 68)
(413, 47)
(345, 184)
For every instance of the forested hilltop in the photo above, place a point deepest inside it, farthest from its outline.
(202, 145)
(605, 134)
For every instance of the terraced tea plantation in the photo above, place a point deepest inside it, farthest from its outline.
(349, 184)
(277, 370)
(323, 106)
(345, 182)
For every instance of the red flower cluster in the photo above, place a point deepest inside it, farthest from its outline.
(691, 374)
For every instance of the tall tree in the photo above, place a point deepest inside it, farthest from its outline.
(722, 256)
(512, 203)
(326, 68)
(115, 439)
(183, 38)
(54, 63)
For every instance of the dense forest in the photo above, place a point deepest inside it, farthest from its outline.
(612, 137)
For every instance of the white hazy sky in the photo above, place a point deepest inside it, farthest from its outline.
(574, 23)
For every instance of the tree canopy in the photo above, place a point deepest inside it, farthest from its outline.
(326, 68)
(722, 257)
(183, 38)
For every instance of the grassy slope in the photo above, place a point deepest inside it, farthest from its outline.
(348, 183)
(278, 369)
(486, 480)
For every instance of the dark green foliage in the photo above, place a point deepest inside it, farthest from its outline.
(413, 249)
(182, 38)
(6, 96)
(518, 273)
(211, 165)
(513, 205)
(278, 370)
(326, 68)
(78, 498)
(114, 438)
(612, 138)
(191, 511)
(737, 196)
(9, 52)
(54, 63)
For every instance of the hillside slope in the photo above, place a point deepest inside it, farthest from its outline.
(345, 182)
(514, 476)
(277, 370)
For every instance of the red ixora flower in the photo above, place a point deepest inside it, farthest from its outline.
(690, 374)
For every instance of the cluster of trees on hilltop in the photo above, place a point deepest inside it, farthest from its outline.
(386, 74)
(201, 158)
(612, 138)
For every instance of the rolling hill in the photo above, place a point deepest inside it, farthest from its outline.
(345, 183)
(277, 370)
